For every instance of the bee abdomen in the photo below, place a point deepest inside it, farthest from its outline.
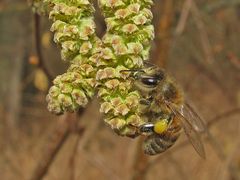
(155, 144)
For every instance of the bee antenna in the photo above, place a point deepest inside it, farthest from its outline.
(132, 70)
(149, 63)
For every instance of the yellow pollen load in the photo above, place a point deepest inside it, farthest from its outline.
(161, 126)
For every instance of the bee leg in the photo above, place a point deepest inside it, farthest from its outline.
(144, 105)
(170, 119)
(145, 102)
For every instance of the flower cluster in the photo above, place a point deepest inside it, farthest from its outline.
(102, 64)
(126, 45)
(74, 31)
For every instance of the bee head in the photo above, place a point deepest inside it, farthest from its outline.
(150, 76)
(147, 79)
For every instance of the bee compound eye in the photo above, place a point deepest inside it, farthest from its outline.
(149, 81)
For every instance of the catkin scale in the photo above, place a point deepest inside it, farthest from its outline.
(74, 31)
(126, 46)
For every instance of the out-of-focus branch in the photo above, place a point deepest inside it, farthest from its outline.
(218, 5)
(222, 116)
(41, 62)
(83, 142)
(51, 149)
(234, 60)
(73, 157)
(40, 7)
(99, 163)
(178, 167)
(185, 143)
(137, 161)
(183, 17)
(227, 163)
(190, 6)
(210, 7)
(201, 68)
(164, 34)
(207, 49)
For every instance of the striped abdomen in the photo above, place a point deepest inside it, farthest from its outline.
(158, 143)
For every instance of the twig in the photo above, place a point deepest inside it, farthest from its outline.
(72, 159)
(202, 33)
(229, 159)
(137, 161)
(89, 134)
(41, 63)
(222, 116)
(233, 59)
(211, 7)
(183, 17)
(213, 77)
(163, 34)
(53, 146)
(132, 157)
(83, 142)
(99, 163)
(95, 161)
(178, 167)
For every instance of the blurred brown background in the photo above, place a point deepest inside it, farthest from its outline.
(196, 41)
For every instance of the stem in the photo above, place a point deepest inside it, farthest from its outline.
(37, 34)
(55, 143)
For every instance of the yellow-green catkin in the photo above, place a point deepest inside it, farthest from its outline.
(74, 31)
(126, 46)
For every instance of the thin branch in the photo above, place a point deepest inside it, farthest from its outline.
(178, 167)
(207, 49)
(51, 149)
(214, 6)
(72, 159)
(164, 33)
(234, 60)
(137, 161)
(89, 134)
(101, 165)
(227, 164)
(41, 63)
(201, 68)
(222, 116)
(185, 143)
(183, 17)
(81, 144)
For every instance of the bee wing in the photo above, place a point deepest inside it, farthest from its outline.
(193, 137)
(190, 131)
(193, 118)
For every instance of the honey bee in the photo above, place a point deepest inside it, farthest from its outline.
(164, 109)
